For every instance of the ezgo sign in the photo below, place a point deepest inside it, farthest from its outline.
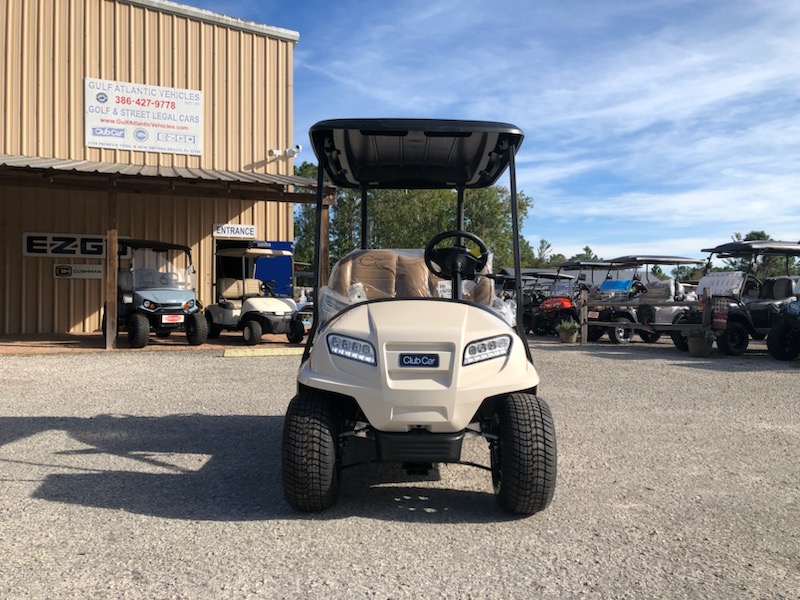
(65, 245)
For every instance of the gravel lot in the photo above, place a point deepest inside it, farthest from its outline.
(157, 475)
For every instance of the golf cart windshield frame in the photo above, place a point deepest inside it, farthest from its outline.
(414, 154)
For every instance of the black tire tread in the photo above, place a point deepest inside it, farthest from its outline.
(310, 452)
(527, 454)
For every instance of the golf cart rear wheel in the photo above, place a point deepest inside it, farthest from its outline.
(296, 331)
(734, 339)
(311, 453)
(649, 336)
(196, 329)
(621, 334)
(523, 457)
(783, 341)
(594, 333)
(138, 330)
(213, 330)
(252, 333)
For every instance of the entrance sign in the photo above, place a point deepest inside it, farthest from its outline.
(148, 118)
(235, 232)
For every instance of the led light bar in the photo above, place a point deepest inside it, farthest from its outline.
(352, 348)
(485, 349)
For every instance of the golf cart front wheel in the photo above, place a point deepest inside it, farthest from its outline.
(734, 340)
(620, 334)
(783, 341)
(138, 330)
(252, 333)
(523, 456)
(296, 331)
(311, 452)
(196, 329)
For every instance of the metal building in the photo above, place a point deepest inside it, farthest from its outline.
(133, 118)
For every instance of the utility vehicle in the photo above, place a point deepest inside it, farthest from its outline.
(247, 304)
(783, 339)
(411, 352)
(745, 305)
(658, 301)
(157, 291)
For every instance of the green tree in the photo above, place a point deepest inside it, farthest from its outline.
(587, 254)
(305, 219)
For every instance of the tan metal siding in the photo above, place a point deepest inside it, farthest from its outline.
(32, 300)
(50, 46)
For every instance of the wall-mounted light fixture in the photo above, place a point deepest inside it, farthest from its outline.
(289, 152)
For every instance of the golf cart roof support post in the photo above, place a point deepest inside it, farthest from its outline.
(460, 212)
(364, 245)
(318, 228)
(512, 179)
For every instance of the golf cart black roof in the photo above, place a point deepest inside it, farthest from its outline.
(533, 273)
(413, 153)
(655, 259)
(153, 245)
(756, 247)
(582, 263)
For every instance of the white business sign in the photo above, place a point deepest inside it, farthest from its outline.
(149, 118)
(78, 271)
(239, 232)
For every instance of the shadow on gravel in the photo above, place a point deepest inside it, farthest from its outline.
(219, 468)
(756, 358)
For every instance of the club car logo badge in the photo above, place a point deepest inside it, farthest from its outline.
(430, 361)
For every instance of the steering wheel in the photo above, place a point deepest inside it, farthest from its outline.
(169, 278)
(268, 287)
(444, 262)
(637, 287)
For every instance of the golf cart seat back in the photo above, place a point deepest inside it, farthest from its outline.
(125, 285)
(229, 291)
(251, 288)
(125, 281)
(782, 288)
(660, 290)
(383, 273)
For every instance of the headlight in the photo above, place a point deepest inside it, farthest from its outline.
(351, 348)
(485, 349)
(188, 304)
(793, 308)
(149, 305)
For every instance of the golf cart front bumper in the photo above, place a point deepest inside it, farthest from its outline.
(419, 446)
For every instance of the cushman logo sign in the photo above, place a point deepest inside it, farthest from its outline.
(419, 360)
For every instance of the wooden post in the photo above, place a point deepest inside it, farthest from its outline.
(112, 265)
(708, 308)
(583, 315)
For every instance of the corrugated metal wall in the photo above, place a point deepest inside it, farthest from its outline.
(48, 48)
(33, 300)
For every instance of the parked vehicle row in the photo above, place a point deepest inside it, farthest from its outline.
(156, 293)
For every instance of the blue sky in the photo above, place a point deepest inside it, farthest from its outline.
(651, 126)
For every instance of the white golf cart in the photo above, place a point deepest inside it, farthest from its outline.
(250, 305)
(410, 349)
